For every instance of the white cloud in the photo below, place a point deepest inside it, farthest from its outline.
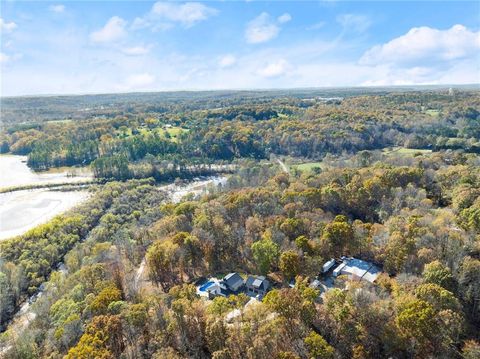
(309, 63)
(466, 72)
(282, 19)
(227, 61)
(354, 22)
(188, 14)
(461, 72)
(317, 25)
(139, 81)
(261, 29)
(164, 15)
(57, 8)
(113, 30)
(7, 27)
(275, 69)
(4, 57)
(140, 23)
(426, 55)
(137, 50)
(149, 22)
(425, 46)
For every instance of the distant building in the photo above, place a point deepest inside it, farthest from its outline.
(257, 286)
(357, 269)
(233, 281)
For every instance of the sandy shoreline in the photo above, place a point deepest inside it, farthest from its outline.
(14, 172)
(23, 210)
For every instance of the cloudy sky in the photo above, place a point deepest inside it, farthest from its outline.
(120, 46)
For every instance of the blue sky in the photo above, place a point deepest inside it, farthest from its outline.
(120, 46)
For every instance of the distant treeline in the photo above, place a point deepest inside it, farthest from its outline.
(306, 128)
(44, 108)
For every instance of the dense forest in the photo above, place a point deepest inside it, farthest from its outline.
(31, 109)
(391, 178)
(154, 144)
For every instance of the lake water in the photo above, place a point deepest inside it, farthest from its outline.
(23, 210)
(15, 172)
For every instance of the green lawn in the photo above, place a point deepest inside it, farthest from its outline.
(174, 132)
(433, 113)
(59, 121)
(308, 166)
(405, 151)
(399, 151)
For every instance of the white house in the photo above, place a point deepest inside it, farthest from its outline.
(357, 269)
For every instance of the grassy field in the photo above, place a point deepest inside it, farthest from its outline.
(307, 167)
(405, 151)
(433, 113)
(395, 151)
(59, 121)
(174, 132)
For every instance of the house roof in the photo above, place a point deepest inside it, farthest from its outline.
(361, 269)
(315, 284)
(339, 268)
(328, 265)
(259, 282)
(233, 279)
(372, 274)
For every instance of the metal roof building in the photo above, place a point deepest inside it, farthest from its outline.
(358, 269)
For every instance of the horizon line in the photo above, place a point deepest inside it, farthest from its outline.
(311, 88)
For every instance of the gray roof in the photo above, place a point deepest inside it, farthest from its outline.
(259, 282)
(232, 279)
(359, 269)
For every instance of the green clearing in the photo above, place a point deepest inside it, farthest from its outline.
(308, 166)
(395, 151)
(173, 132)
(59, 121)
(405, 151)
(433, 113)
